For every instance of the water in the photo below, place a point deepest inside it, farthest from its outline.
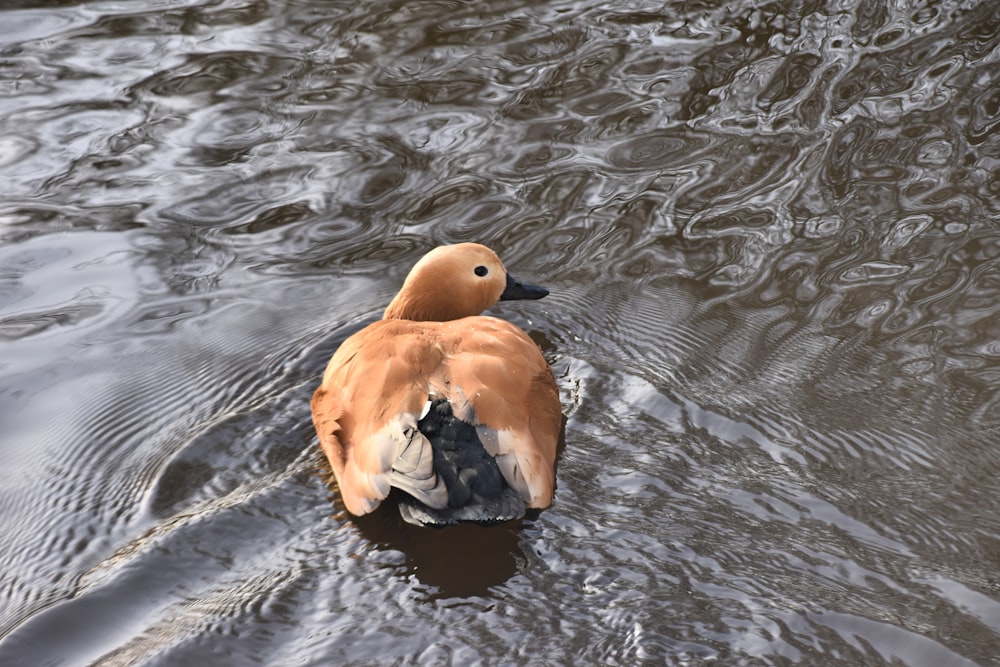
(771, 235)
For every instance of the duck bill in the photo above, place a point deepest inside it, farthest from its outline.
(518, 290)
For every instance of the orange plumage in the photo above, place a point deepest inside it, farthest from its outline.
(486, 380)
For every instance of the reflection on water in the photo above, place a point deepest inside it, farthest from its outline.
(771, 233)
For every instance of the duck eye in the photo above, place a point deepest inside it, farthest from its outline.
(481, 271)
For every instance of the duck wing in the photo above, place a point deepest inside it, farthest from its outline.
(500, 382)
(366, 412)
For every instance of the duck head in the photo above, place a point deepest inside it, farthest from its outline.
(455, 281)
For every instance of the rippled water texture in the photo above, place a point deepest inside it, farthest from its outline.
(771, 234)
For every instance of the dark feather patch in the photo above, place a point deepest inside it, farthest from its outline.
(477, 490)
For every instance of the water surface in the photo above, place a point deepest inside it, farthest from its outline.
(771, 235)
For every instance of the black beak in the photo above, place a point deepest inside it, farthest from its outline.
(516, 290)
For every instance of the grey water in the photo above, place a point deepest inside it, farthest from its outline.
(772, 236)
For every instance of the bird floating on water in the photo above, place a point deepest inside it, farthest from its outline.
(458, 411)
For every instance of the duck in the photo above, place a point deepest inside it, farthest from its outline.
(455, 413)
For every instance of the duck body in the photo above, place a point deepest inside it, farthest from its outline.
(461, 415)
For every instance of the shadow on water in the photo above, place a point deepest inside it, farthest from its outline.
(460, 561)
